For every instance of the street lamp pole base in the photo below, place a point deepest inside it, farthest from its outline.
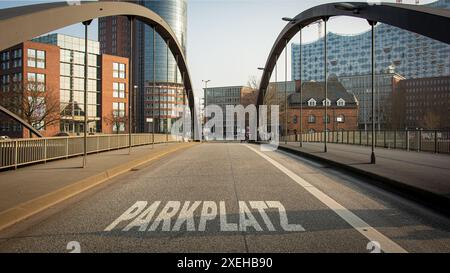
(372, 158)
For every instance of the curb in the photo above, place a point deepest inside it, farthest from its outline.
(27, 209)
(434, 201)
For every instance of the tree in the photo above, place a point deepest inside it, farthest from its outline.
(116, 119)
(34, 102)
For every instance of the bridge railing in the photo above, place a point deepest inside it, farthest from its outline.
(436, 141)
(19, 152)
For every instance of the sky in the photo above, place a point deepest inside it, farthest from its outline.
(229, 39)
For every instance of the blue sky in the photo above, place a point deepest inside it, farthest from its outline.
(229, 39)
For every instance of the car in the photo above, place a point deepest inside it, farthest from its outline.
(5, 138)
(62, 134)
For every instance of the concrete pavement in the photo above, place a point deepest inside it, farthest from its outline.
(236, 175)
(423, 176)
(29, 190)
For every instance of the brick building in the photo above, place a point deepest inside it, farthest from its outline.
(114, 96)
(29, 87)
(422, 103)
(342, 108)
(53, 66)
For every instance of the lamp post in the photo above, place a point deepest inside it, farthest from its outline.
(372, 155)
(86, 24)
(325, 19)
(205, 97)
(301, 88)
(130, 77)
(292, 21)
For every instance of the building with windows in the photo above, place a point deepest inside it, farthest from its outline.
(385, 87)
(54, 65)
(412, 55)
(29, 87)
(72, 82)
(161, 97)
(229, 95)
(342, 108)
(114, 94)
(423, 103)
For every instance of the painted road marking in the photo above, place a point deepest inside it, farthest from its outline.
(387, 245)
(142, 215)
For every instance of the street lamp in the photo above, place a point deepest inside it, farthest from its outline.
(288, 19)
(205, 101)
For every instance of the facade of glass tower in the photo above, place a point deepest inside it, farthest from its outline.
(165, 101)
(409, 54)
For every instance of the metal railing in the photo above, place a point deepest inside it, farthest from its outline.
(435, 141)
(19, 152)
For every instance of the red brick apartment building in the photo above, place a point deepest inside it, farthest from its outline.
(342, 108)
(114, 97)
(29, 79)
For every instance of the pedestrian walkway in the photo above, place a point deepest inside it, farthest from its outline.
(24, 184)
(426, 175)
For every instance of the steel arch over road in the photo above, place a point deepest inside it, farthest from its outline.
(427, 21)
(20, 24)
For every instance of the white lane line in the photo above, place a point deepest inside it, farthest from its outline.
(387, 245)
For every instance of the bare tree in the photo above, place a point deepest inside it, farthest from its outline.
(34, 102)
(253, 82)
(115, 119)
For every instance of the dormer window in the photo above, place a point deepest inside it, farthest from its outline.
(312, 102)
(327, 101)
(340, 102)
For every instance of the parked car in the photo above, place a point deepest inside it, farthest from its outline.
(62, 134)
(4, 138)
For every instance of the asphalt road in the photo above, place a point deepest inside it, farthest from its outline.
(247, 201)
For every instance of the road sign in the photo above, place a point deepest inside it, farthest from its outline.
(149, 119)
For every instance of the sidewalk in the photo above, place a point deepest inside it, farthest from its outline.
(423, 176)
(60, 179)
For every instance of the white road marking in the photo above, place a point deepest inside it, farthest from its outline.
(387, 245)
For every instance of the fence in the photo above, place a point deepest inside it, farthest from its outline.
(26, 151)
(412, 140)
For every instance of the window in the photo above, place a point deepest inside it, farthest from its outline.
(118, 109)
(36, 82)
(312, 102)
(294, 119)
(36, 58)
(118, 90)
(311, 119)
(340, 102)
(328, 102)
(327, 120)
(119, 70)
(340, 118)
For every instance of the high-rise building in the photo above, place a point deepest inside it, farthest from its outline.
(411, 54)
(163, 101)
(54, 65)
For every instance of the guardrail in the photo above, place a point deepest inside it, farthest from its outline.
(435, 141)
(19, 152)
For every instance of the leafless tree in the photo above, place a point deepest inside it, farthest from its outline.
(115, 119)
(34, 102)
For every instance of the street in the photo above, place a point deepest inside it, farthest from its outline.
(229, 197)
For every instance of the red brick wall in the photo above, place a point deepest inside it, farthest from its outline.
(107, 98)
(350, 119)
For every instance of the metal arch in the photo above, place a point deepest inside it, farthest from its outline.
(21, 121)
(20, 24)
(424, 20)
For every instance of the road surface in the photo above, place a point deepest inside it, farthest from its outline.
(228, 197)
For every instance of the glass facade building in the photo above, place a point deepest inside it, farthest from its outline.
(410, 54)
(72, 82)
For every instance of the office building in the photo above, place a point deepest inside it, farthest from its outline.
(412, 55)
(161, 102)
